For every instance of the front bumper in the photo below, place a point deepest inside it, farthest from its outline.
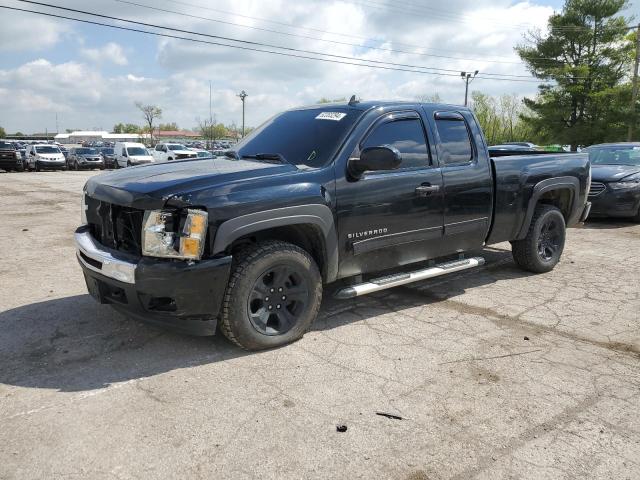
(91, 163)
(182, 295)
(616, 203)
(52, 164)
(10, 163)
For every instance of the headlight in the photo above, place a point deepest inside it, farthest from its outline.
(174, 234)
(631, 182)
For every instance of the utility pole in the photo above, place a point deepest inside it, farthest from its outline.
(242, 96)
(467, 78)
(210, 117)
(634, 87)
(57, 128)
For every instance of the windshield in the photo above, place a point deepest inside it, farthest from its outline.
(137, 151)
(47, 149)
(86, 151)
(615, 155)
(302, 137)
(176, 147)
(7, 145)
(108, 151)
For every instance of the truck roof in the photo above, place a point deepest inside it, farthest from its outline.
(369, 104)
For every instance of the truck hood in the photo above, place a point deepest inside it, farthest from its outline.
(150, 186)
(612, 173)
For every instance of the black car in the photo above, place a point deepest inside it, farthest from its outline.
(84, 157)
(108, 157)
(615, 180)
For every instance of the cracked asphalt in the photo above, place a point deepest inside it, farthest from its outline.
(495, 373)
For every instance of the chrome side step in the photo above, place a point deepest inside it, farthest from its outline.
(397, 279)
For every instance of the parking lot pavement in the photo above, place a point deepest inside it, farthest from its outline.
(493, 373)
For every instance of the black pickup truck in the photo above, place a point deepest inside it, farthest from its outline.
(355, 191)
(10, 158)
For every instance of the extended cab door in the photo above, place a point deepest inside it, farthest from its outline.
(467, 176)
(392, 218)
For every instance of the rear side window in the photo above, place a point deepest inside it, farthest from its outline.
(407, 136)
(455, 141)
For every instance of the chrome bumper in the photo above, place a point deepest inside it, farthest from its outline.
(101, 260)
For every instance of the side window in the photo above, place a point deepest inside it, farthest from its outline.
(407, 136)
(158, 148)
(455, 141)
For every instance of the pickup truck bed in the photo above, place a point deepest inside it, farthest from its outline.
(520, 181)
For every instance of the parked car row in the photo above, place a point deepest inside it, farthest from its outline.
(17, 156)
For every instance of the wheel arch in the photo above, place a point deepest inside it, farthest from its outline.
(560, 192)
(311, 227)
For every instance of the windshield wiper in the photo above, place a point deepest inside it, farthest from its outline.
(267, 156)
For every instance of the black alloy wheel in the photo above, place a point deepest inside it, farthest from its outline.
(278, 299)
(549, 239)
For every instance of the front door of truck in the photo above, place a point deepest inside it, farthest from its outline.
(395, 217)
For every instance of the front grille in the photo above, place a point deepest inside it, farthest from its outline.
(114, 226)
(596, 188)
(185, 155)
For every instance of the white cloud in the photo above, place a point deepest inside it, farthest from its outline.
(110, 52)
(20, 33)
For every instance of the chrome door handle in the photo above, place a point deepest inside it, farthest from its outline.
(426, 190)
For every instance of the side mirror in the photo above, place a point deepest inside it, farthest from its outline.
(384, 157)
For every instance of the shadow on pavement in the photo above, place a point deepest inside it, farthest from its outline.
(75, 344)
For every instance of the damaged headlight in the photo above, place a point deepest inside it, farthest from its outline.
(174, 234)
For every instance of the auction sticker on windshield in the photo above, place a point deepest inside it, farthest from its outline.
(335, 116)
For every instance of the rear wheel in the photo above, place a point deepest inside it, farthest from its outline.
(636, 218)
(541, 249)
(20, 166)
(273, 296)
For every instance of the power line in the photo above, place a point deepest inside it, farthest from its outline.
(495, 76)
(240, 47)
(337, 42)
(307, 28)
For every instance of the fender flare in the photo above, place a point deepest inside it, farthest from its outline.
(314, 214)
(544, 186)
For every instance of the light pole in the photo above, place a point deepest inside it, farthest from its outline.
(467, 78)
(242, 96)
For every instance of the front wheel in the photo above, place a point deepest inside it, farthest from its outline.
(541, 249)
(273, 296)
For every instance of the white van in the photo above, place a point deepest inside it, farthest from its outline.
(129, 153)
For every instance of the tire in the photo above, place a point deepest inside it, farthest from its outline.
(636, 218)
(75, 165)
(255, 311)
(129, 164)
(541, 249)
(20, 166)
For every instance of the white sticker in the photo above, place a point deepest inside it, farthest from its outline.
(335, 116)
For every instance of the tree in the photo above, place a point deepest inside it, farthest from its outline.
(501, 118)
(582, 60)
(150, 114)
(19, 134)
(168, 126)
(3, 134)
(429, 98)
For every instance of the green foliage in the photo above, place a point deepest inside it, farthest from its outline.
(126, 128)
(583, 62)
(168, 126)
(2, 133)
(501, 118)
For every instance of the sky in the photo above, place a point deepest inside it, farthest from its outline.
(57, 74)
